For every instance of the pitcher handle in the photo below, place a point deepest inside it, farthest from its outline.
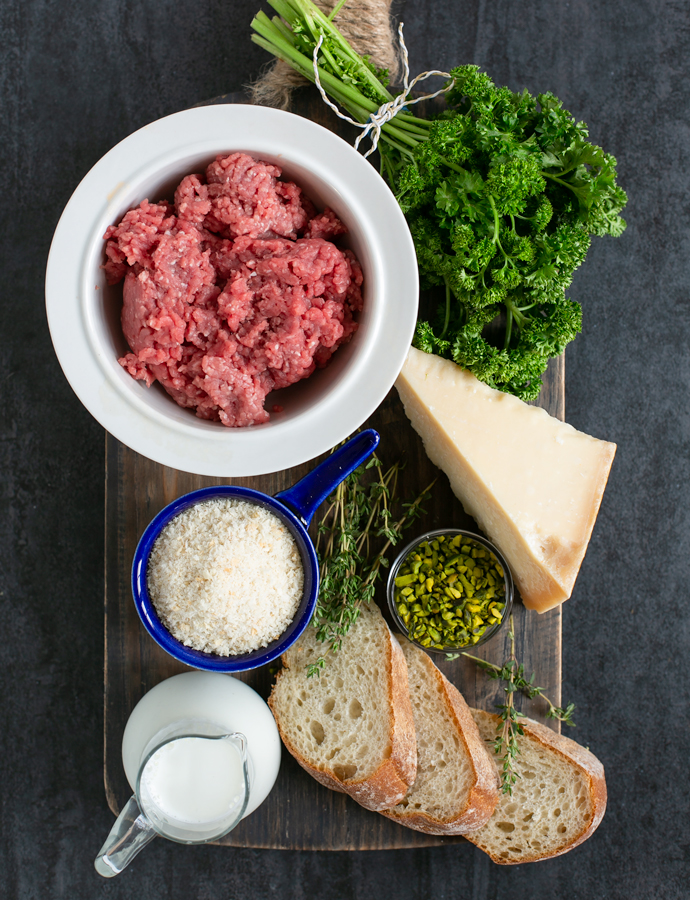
(131, 833)
(309, 493)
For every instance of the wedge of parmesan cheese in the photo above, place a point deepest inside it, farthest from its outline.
(532, 483)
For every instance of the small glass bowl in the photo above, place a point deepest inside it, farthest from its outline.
(471, 536)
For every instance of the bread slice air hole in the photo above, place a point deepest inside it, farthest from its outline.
(345, 772)
(355, 710)
(317, 731)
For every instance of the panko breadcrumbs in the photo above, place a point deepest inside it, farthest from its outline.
(225, 577)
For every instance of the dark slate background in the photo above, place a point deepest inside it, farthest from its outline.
(78, 77)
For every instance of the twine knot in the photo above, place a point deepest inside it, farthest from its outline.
(386, 111)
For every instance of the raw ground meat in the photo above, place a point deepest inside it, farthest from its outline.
(233, 292)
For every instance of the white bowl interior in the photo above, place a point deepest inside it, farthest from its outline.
(103, 302)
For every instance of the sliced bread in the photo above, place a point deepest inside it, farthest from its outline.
(352, 728)
(557, 802)
(456, 789)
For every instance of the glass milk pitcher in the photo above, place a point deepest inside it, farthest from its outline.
(192, 787)
(194, 775)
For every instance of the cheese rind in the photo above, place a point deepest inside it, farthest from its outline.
(532, 483)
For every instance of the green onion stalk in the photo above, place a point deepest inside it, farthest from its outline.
(349, 79)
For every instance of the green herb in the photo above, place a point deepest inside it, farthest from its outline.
(448, 591)
(502, 192)
(350, 79)
(358, 512)
(512, 674)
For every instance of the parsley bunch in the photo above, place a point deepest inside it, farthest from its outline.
(502, 191)
(502, 200)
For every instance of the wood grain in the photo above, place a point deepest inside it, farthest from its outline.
(299, 813)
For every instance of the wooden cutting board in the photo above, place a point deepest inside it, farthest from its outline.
(299, 814)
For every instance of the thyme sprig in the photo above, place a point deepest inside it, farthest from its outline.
(512, 674)
(359, 511)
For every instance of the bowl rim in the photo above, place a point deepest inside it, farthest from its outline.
(507, 578)
(212, 662)
(198, 447)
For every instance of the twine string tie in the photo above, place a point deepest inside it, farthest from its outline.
(386, 111)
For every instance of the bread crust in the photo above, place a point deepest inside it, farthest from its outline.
(483, 796)
(586, 761)
(391, 781)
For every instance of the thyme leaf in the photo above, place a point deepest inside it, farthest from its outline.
(512, 674)
(359, 514)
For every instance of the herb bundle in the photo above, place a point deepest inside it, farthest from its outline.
(502, 193)
(512, 674)
(358, 512)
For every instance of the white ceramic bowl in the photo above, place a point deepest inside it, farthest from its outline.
(84, 312)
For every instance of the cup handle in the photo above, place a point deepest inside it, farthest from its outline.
(131, 833)
(309, 493)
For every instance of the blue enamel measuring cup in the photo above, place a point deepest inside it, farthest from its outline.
(295, 507)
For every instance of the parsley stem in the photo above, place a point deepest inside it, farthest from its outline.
(447, 319)
(452, 165)
(559, 181)
(514, 310)
(497, 226)
(561, 173)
